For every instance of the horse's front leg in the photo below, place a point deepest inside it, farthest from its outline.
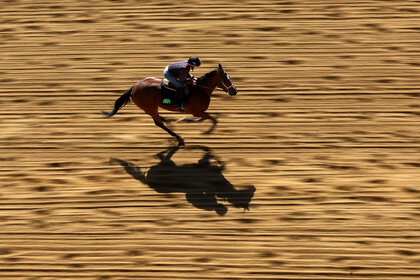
(205, 116)
(190, 120)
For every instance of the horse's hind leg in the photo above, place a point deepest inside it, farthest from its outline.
(158, 121)
(178, 138)
(165, 120)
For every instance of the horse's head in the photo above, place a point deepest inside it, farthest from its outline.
(224, 81)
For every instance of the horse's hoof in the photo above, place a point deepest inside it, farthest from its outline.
(106, 114)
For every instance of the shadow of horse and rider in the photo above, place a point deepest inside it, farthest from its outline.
(202, 182)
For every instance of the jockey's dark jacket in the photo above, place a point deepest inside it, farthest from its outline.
(181, 71)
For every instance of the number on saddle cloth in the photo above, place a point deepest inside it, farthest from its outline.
(167, 92)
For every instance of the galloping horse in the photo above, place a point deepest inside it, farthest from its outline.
(146, 94)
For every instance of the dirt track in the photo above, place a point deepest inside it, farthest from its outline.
(325, 127)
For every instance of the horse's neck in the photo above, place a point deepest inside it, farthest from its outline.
(209, 82)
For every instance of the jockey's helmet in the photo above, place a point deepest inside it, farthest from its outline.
(194, 61)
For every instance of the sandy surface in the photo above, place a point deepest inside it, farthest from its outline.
(324, 129)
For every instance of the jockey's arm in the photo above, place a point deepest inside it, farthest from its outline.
(184, 78)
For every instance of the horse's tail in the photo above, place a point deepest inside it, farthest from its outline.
(120, 102)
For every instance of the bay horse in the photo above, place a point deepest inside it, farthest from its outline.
(146, 94)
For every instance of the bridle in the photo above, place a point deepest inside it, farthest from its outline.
(226, 88)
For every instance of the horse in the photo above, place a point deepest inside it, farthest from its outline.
(146, 94)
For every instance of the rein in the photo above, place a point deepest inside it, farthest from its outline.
(219, 89)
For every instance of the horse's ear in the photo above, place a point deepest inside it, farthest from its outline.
(220, 67)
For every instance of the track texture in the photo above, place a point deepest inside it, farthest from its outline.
(324, 133)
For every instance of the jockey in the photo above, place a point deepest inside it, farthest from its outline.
(178, 73)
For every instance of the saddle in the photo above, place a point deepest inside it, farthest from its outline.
(167, 91)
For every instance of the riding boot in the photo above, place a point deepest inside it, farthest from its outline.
(180, 95)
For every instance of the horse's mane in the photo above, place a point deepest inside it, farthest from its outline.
(205, 76)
